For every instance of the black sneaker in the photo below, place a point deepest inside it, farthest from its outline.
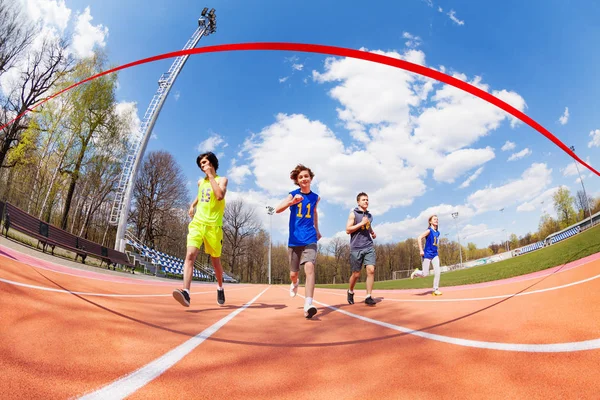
(369, 301)
(221, 296)
(350, 298)
(182, 297)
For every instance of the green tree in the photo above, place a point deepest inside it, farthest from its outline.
(563, 204)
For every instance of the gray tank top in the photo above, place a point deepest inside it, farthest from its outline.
(361, 238)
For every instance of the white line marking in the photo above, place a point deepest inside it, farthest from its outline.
(48, 289)
(519, 347)
(134, 381)
(501, 296)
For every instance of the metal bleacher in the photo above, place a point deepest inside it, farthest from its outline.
(160, 263)
(564, 235)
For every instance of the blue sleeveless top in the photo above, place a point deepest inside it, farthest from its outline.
(302, 221)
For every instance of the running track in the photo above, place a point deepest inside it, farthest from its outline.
(68, 333)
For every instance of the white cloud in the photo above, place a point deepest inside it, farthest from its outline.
(595, 142)
(508, 146)
(211, 143)
(470, 232)
(53, 13)
(571, 168)
(471, 178)
(285, 78)
(461, 161)
(154, 136)
(238, 173)
(532, 182)
(452, 15)
(177, 95)
(413, 41)
(517, 156)
(129, 112)
(542, 201)
(565, 117)
(429, 2)
(297, 67)
(413, 227)
(440, 9)
(87, 36)
(295, 139)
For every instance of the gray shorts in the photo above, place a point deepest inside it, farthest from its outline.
(298, 255)
(358, 258)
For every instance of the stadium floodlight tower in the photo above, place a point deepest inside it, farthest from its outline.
(138, 141)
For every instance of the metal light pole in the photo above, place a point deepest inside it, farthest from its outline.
(455, 216)
(507, 245)
(270, 211)
(587, 201)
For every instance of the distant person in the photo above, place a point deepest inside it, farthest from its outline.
(303, 234)
(206, 226)
(362, 250)
(430, 254)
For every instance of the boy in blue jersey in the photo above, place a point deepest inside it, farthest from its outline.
(362, 251)
(303, 233)
(430, 254)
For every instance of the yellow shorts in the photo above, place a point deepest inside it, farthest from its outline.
(211, 236)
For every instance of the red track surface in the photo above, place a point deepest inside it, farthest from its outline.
(70, 342)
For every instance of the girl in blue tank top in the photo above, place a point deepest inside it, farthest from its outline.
(430, 254)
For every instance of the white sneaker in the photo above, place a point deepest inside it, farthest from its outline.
(294, 288)
(309, 311)
(437, 292)
(416, 272)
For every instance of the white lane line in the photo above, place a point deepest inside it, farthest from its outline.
(501, 296)
(134, 381)
(518, 347)
(48, 289)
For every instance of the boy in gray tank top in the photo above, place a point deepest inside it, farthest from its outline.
(362, 250)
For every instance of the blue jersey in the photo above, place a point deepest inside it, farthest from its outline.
(431, 244)
(302, 220)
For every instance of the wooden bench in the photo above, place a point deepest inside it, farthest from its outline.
(50, 236)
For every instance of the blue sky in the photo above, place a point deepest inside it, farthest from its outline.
(411, 143)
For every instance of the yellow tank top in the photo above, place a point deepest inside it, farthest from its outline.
(209, 210)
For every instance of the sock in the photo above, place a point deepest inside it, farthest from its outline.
(308, 301)
(368, 295)
(187, 291)
(219, 288)
(351, 291)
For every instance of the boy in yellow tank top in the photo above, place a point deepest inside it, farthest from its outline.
(206, 226)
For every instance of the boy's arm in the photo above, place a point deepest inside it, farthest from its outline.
(317, 219)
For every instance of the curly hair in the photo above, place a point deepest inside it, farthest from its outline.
(296, 171)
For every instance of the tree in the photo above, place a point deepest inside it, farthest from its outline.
(514, 241)
(563, 204)
(16, 35)
(93, 118)
(160, 196)
(547, 226)
(43, 69)
(582, 202)
(240, 224)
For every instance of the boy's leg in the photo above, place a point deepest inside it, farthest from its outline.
(183, 296)
(370, 260)
(356, 263)
(294, 255)
(425, 266)
(213, 243)
(309, 256)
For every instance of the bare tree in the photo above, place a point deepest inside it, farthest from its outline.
(16, 35)
(239, 225)
(582, 201)
(160, 195)
(43, 69)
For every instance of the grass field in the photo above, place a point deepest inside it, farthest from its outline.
(574, 248)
